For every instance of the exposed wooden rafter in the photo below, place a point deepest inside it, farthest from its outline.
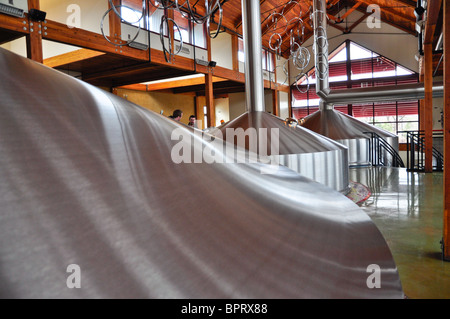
(433, 10)
(71, 57)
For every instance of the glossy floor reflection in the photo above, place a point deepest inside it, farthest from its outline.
(407, 207)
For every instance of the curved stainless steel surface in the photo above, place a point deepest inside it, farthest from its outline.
(358, 151)
(328, 168)
(300, 149)
(87, 179)
(350, 132)
(339, 126)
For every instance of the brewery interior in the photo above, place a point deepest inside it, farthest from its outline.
(349, 195)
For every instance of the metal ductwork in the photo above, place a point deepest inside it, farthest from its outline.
(338, 126)
(350, 132)
(302, 150)
(90, 189)
(254, 81)
(357, 95)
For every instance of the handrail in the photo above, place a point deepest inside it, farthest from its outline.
(416, 142)
(379, 147)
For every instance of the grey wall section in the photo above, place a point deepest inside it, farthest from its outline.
(237, 104)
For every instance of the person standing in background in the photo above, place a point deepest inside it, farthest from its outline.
(177, 115)
(192, 121)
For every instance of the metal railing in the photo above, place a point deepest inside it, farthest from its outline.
(416, 152)
(382, 153)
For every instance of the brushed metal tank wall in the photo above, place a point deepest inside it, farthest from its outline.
(352, 133)
(300, 149)
(392, 141)
(358, 151)
(88, 179)
(328, 168)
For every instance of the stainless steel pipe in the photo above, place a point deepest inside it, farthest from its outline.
(254, 81)
(321, 49)
(415, 91)
(358, 95)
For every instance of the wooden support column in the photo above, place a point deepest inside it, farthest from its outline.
(421, 104)
(428, 112)
(235, 52)
(171, 31)
(446, 237)
(209, 94)
(34, 38)
(115, 28)
(275, 100)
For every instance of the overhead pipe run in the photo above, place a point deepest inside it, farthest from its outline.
(321, 49)
(413, 91)
(340, 127)
(254, 81)
(328, 98)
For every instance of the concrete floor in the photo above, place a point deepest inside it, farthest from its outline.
(407, 208)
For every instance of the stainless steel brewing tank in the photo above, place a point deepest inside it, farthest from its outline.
(308, 153)
(352, 133)
(90, 181)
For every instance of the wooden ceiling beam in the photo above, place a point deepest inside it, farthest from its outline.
(142, 72)
(341, 19)
(223, 87)
(387, 10)
(11, 23)
(180, 83)
(71, 57)
(433, 9)
(354, 25)
(60, 32)
(268, 26)
(238, 22)
(305, 18)
(134, 87)
(408, 3)
(385, 20)
(331, 3)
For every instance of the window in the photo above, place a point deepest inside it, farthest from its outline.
(131, 13)
(185, 28)
(267, 56)
(191, 33)
(154, 21)
(205, 118)
(365, 69)
(241, 54)
(200, 35)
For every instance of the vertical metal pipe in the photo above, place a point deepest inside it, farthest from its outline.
(321, 50)
(254, 83)
(366, 95)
